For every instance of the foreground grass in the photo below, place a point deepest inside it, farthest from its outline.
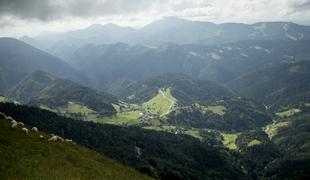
(29, 157)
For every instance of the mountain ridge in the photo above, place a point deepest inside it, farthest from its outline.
(42, 89)
(19, 59)
(174, 30)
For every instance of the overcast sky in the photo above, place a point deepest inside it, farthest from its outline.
(31, 17)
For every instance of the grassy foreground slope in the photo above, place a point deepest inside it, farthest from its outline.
(29, 157)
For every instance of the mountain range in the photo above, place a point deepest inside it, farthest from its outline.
(168, 30)
(104, 64)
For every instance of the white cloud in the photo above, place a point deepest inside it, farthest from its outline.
(32, 16)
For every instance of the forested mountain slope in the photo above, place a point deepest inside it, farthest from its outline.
(17, 59)
(279, 87)
(104, 64)
(42, 89)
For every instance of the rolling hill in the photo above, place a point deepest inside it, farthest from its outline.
(19, 59)
(30, 157)
(42, 89)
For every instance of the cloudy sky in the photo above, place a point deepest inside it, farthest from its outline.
(31, 17)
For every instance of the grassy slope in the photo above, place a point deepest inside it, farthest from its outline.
(272, 129)
(161, 104)
(77, 108)
(288, 113)
(27, 156)
(216, 109)
(230, 140)
(254, 142)
(128, 118)
(194, 133)
(220, 110)
(2, 98)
